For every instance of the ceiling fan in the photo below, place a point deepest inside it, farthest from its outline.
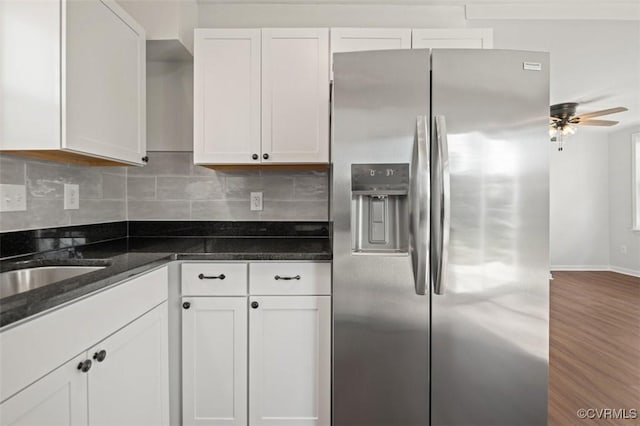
(563, 120)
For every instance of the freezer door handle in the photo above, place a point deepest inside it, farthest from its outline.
(419, 200)
(444, 197)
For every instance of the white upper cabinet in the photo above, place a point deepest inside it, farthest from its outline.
(226, 96)
(75, 89)
(359, 39)
(295, 95)
(261, 96)
(452, 38)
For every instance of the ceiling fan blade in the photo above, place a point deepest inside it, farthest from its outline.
(599, 113)
(597, 123)
(555, 119)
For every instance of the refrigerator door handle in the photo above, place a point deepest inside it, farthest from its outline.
(419, 200)
(442, 169)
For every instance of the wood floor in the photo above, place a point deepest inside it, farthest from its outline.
(594, 355)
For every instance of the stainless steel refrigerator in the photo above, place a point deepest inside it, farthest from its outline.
(440, 210)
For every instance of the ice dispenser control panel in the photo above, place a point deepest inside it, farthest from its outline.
(379, 208)
(386, 179)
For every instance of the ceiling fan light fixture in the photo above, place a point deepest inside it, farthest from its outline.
(568, 130)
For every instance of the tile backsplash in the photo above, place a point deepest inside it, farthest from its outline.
(169, 187)
(102, 193)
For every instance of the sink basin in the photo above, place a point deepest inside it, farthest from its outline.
(21, 280)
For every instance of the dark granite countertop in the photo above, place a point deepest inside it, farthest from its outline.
(130, 256)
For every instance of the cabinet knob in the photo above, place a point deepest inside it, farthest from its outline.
(85, 365)
(186, 305)
(100, 356)
(265, 156)
(255, 305)
(145, 159)
(254, 156)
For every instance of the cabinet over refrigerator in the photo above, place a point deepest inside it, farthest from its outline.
(440, 209)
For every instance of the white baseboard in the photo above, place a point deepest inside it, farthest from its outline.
(626, 271)
(587, 268)
(580, 268)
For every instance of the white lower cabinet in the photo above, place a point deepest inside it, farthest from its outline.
(129, 379)
(214, 361)
(59, 398)
(262, 358)
(290, 360)
(102, 360)
(124, 382)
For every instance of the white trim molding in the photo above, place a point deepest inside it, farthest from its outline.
(626, 271)
(596, 268)
(618, 11)
(585, 268)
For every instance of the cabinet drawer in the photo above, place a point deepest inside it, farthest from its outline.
(295, 278)
(214, 279)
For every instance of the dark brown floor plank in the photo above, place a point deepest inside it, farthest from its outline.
(594, 351)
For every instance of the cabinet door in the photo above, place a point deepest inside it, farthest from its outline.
(59, 398)
(214, 361)
(455, 38)
(104, 81)
(290, 360)
(226, 96)
(295, 95)
(130, 386)
(359, 39)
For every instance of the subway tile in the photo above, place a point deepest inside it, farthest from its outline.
(165, 164)
(95, 211)
(12, 170)
(311, 188)
(272, 187)
(189, 188)
(295, 210)
(222, 210)
(114, 186)
(141, 187)
(47, 180)
(152, 210)
(40, 213)
(312, 210)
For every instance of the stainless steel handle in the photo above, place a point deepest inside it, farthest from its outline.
(212, 277)
(278, 277)
(444, 198)
(420, 207)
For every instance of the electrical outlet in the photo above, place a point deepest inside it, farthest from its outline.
(13, 198)
(71, 197)
(256, 201)
(623, 249)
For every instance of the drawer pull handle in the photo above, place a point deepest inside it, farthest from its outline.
(278, 277)
(212, 277)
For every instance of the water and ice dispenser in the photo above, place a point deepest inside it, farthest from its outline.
(379, 208)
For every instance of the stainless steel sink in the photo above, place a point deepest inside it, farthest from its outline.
(21, 280)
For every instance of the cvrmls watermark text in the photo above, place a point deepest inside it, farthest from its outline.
(608, 413)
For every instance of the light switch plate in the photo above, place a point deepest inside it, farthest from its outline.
(256, 201)
(71, 197)
(13, 198)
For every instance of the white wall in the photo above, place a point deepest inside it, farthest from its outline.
(165, 20)
(596, 62)
(169, 106)
(593, 62)
(620, 213)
